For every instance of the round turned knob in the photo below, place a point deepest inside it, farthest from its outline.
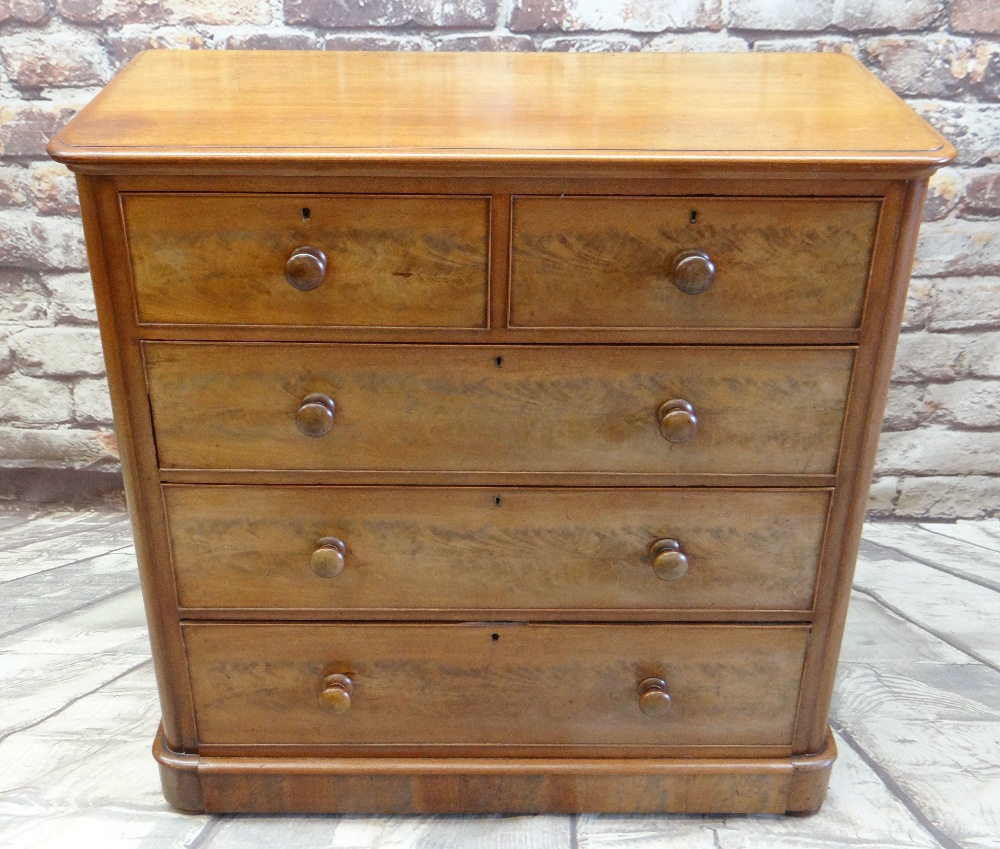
(678, 423)
(306, 268)
(336, 692)
(315, 415)
(654, 700)
(328, 558)
(694, 272)
(669, 562)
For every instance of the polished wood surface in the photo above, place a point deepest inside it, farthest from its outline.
(609, 262)
(438, 549)
(448, 408)
(681, 459)
(438, 685)
(794, 110)
(495, 785)
(390, 261)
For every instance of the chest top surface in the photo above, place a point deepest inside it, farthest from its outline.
(273, 106)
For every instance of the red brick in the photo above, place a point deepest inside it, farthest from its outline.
(59, 352)
(169, 12)
(391, 13)
(25, 127)
(71, 298)
(697, 42)
(35, 401)
(989, 82)
(486, 43)
(410, 43)
(930, 66)
(123, 48)
(55, 59)
(54, 189)
(982, 194)
(781, 15)
(13, 186)
(273, 41)
(946, 187)
(29, 241)
(631, 15)
(975, 16)
(974, 128)
(816, 44)
(60, 449)
(25, 11)
(23, 300)
(592, 44)
(958, 247)
(869, 15)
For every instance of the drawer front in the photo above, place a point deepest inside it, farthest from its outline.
(477, 684)
(437, 549)
(389, 261)
(514, 409)
(609, 262)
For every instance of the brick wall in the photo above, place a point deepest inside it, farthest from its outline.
(940, 453)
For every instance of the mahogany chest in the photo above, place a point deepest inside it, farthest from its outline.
(497, 429)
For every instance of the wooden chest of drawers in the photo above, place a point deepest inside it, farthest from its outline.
(497, 429)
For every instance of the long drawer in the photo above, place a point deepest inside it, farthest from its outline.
(453, 408)
(436, 550)
(490, 684)
(372, 261)
(609, 261)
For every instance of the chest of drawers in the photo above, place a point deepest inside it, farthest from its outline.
(497, 429)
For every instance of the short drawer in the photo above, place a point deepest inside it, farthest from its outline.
(367, 261)
(434, 551)
(498, 685)
(610, 261)
(506, 409)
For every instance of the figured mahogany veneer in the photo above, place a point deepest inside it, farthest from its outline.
(497, 429)
(443, 552)
(445, 408)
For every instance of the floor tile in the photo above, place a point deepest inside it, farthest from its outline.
(984, 533)
(51, 592)
(934, 732)
(441, 832)
(859, 812)
(963, 613)
(887, 541)
(77, 544)
(874, 633)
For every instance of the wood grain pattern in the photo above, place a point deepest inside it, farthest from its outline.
(607, 262)
(392, 261)
(388, 785)
(731, 685)
(792, 111)
(767, 410)
(429, 551)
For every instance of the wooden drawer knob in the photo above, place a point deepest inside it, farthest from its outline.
(678, 422)
(694, 272)
(315, 415)
(336, 693)
(306, 268)
(328, 558)
(668, 561)
(654, 700)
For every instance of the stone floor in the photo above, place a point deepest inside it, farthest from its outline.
(917, 713)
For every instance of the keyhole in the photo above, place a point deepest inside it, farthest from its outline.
(498, 361)
(495, 638)
(694, 216)
(497, 501)
(306, 212)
